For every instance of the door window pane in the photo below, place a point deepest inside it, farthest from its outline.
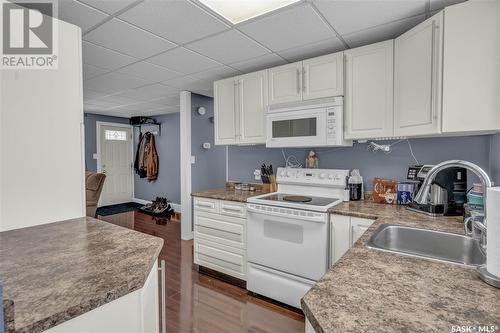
(294, 128)
(115, 135)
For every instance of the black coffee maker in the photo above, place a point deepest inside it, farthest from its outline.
(448, 191)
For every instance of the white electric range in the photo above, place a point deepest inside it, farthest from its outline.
(288, 232)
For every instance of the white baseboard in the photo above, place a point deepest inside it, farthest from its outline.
(176, 207)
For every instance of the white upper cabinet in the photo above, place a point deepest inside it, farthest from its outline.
(471, 74)
(240, 105)
(309, 79)
(285, 83)
(369, 91)
(417, 79)
(323, 76)
(252, 90)
(225, 107)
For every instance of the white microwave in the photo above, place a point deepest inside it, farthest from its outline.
(316, 125)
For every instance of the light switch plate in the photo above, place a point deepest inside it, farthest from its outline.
(193, 159)
(94, 156)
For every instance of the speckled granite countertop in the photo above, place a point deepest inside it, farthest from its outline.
(229, 194)
(55, 272)
(373, 291)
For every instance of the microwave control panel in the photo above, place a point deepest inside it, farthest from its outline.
(334, 125)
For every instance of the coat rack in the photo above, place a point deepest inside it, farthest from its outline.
(158, 128)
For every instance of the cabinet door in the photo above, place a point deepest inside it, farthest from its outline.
(252, 107)
(358, 228)
(285, 83)
(225, 111)
(339, 237)
(417, 79)
(471, 70)
(369, 91)
(323, 76)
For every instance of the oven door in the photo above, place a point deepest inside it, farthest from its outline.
(292, 241)
(300, 128)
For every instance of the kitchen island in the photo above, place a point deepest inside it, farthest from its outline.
(57, 273)
(373, 291)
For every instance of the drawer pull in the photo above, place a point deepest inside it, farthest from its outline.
(206, 205)
(229, 209)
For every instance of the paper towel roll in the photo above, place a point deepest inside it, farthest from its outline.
(493, 233)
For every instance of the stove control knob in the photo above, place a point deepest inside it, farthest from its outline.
(330, 176)
(299, 174)
(282, 174)
(288, 174)
(322, 175)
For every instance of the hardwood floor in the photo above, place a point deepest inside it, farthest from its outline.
(202, 304)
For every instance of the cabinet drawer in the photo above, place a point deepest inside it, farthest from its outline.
(224, 259)
(232, 208)
(206, 205)
(225, 230)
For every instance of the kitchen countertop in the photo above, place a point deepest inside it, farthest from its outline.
(227, 193)
(373, 291)
(55, 272)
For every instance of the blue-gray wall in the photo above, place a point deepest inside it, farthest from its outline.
(244, 160)
(495, 159)
(209, 170)
(90, 120)
(168, 183)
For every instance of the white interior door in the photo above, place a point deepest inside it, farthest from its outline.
(116, 163)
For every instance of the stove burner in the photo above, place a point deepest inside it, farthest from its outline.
(297, 198)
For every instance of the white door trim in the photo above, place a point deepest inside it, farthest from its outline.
(98, 125)
(186, 201)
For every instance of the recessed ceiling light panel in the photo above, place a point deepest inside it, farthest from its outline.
(237, 11)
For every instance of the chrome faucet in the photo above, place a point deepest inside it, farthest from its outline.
(478, 225)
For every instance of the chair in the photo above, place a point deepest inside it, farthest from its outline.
(94, 182)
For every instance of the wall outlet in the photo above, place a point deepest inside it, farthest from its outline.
(257, 174)
(94, 156)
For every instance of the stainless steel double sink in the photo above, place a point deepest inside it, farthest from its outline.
(428, 244)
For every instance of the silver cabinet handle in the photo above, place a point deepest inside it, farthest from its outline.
(162, 269)
(298, 81)
(303, 79)
(205, 205)
(236, 210)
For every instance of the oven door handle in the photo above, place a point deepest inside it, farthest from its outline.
(276, 211)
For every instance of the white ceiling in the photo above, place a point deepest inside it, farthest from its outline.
(139, 54)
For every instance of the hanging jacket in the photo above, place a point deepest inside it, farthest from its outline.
(140, 156)
(152, 159)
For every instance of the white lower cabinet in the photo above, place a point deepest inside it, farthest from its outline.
(141, 308)
(220, 236)
(344, 232)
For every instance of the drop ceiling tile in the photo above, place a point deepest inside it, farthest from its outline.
(90, 94)
(150, 92)
(90, 71)
(157, 111)
(348, 16)
(125, 38)
(440, 4)
(289, 28)
(217, 47)
(104, 58)
(148, 71)
(184, 61)
(262, 62)
(114, 82)
(116, 100)
(177, 21)
(382, 32)
(189, 83)
(109, 6)
(79, 14)
(216, 73)
(168, 101)
(313, 50)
